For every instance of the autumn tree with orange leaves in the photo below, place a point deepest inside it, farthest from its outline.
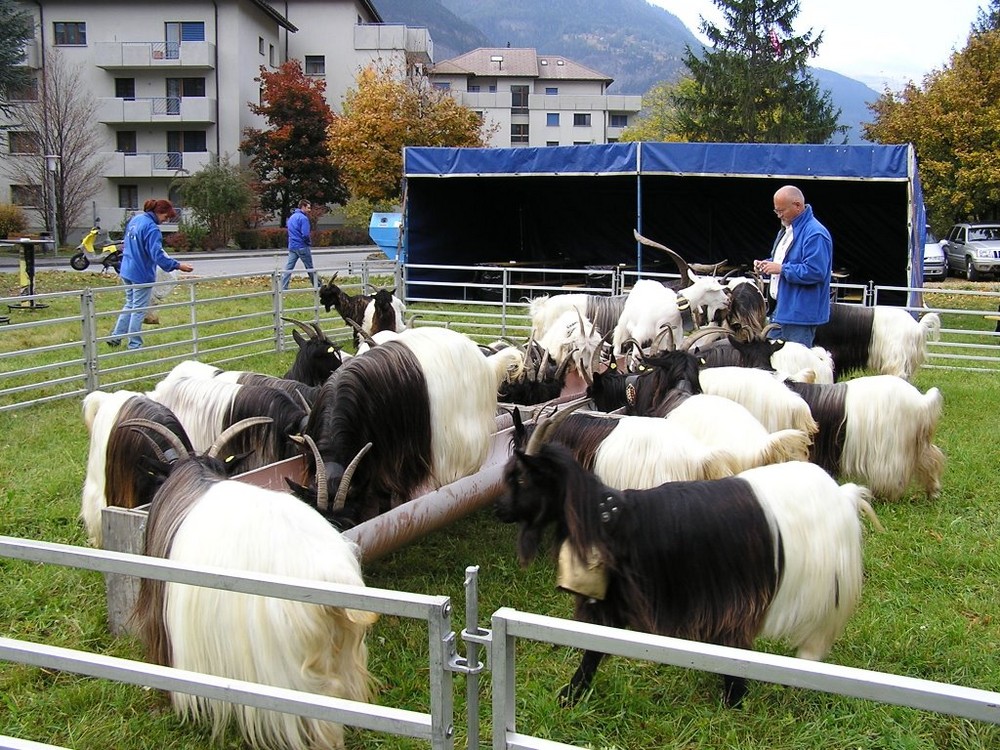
(291, 158)
(384, 112)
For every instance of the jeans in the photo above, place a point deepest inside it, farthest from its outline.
(294, 255)
(791, 332)
(137, 299)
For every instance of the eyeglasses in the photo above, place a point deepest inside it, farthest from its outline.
(786, 209)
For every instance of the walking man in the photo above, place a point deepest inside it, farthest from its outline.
(299, 243)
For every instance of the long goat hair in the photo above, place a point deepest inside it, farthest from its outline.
(427, 402)
(772, 552)
(877, 429)
(764, 395)
(198, 518)
(601, 310)
(195, 369)
(789, 359)
(882, 339)
(384, 313)
(113, 478)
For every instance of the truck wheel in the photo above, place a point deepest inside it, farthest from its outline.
(79, 262)
(970, 271)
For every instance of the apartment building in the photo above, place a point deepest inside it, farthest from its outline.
(537, 100)
(172, 82)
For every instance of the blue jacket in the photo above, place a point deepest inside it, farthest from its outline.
(143, 250)
(298, 230)
(804, 290)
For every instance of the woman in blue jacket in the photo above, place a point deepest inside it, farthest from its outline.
(142, 253)
(801, 268)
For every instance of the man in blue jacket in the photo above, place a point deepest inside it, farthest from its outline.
(299, 243)
(141, 255)
(800, 267)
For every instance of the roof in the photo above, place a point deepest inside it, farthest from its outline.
(516, 62)
(282, 21)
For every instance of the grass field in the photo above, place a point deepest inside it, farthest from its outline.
(929, 610)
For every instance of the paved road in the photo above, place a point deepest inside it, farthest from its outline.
(219, 263)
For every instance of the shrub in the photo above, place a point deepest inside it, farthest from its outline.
(177, 241)
(197, 234)
(12, 220)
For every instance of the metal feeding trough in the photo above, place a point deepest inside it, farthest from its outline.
(124, 529)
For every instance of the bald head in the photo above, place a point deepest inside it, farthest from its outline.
(788, 203)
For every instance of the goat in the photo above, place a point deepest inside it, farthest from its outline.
(384, 313)
(296, 388)
(601, 310)
(199, 518)
(537, 380)
(788, 358)
(774, 551)
(112, 477)
(746, 315)
(878, 429)
(317, 358)
(351, 307)
(572, 338)
(884, 340)
(765, 396)
(207, 406)
(427, 402)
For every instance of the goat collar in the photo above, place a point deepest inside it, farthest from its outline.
(609, 508)
(687, 314)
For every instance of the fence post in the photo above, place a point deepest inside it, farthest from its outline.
(442, 647)
(88, 335)
(192, 306)
(278, 310)
(502, 668)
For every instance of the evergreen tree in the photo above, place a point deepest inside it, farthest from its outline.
(753, 85)
(16, 28)
(292, 158)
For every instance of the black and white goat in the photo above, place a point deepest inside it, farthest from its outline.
(789, 359)
(113, 477)
(882, 339)
(317, 356)
(878, 430)
(426, 400)
(360, 309)
(296, 388)
(198, 517)
(772, 552)
(384, 313)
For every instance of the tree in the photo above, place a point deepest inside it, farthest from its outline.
(220, 196)
(291, 159)
(385, 112)
(753, 85)
(953, 121)
(17, 28)
(60, 122)
(988, 18)
(658, 120)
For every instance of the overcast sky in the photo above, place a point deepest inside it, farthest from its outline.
(875, 41)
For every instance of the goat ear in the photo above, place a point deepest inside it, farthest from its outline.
(303, 493)
(156, 468)
(298, 338)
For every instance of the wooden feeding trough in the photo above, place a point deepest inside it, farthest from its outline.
(123, 530)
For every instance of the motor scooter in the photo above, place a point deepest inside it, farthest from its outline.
(109, 256)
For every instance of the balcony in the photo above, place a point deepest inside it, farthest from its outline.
(154, 164)
(166, 55)
(170, 110)
(416, 42)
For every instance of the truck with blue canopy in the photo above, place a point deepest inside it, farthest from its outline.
(577, 206)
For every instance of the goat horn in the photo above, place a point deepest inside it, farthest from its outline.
(543, 430)
(703, 333)
(304, 401)
(658, 339)
(588, 375)
(309, 331)
(363, 333)
(170, 437)
(345, 480)
(232, 431)
(322, 491)
(682, 265)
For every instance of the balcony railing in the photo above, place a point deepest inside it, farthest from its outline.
(155, 54)
(155, 163)
(167, 109)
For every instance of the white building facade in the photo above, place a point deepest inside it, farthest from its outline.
(172, 82)
(536, 100)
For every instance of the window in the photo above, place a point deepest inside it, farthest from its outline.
(619, 121)
(519, 98)
(551, 90)
(581, 119)
(70, 33)
(128, 196)
(518, 133)
(21, 142)
(260, 44)
(270, 54)
(473, 88)
(442, 85)
(125, 88)
(493, 88)
(315, 65)
(179, 141)
(552, 119)
(28, 93)
(28, 196)
(551, 143)
(125, 141)
(178, 32)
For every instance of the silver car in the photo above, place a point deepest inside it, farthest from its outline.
(973, 249)
(935, 266)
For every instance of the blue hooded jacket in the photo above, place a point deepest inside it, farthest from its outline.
(143, 250)
(804, 290)
(298, 230)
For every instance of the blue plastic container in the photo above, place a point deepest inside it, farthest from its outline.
(384, 230)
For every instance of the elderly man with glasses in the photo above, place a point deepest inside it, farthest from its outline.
(800, 269)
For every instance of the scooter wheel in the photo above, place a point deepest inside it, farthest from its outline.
(79, 262)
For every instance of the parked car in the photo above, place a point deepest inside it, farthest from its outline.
(935, 265)
(973, 249)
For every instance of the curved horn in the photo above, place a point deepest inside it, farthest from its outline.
(703, 333)
(322, 491)
(175, 442)
(595, 360)
(546, 428)
(345, 481)
(304, 401)
(658, 339)
(232, 431)
(682, 265)
(310, 331)
(362, 333)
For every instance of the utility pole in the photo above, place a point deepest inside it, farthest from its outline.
(51, 167)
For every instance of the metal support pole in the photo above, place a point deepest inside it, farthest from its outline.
(52, 166)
